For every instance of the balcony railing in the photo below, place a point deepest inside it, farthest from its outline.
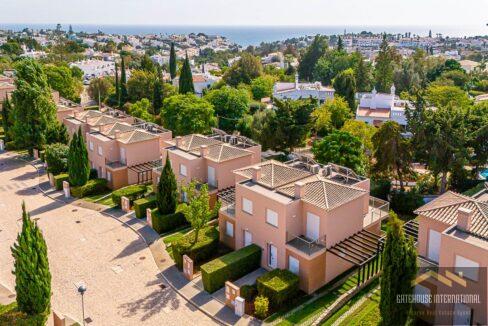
(229, 210)
(378, 210)
(114, 164)
(304, 244)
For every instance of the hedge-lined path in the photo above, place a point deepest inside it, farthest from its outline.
(123, 281)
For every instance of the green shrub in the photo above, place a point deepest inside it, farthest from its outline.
(140, 206)
(230, 267)
(58, 180)
(93, 174)
(56, 156)
(92, 187)
(405, 202)
(132, 192)
(279, 286)
(248, 292)
(42, 156)
(261, 307)
(10, 145)
(167, 222)
(205, 247)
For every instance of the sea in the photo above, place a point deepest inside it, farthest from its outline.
(254, 35)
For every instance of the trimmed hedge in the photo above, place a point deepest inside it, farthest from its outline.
(56, 157)
(140, 206)
(206, 246)
(279, 286)
(230, 267)
(248, 292)
(168, 222)
(58, 180)
(92, 187)
(132, 192)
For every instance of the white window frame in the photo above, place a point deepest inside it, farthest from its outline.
(183, 170)
(271, 217)
(292, 262)
(421, 295)
(246, 205)
(463, 265)
(90, 145)
(100, 150)
(269, 256)
(229, 229)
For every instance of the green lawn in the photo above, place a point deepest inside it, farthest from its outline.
(314, 308)
(104, 198)
(368, 314)
(361, 294)
(9, 315)
(172, 237)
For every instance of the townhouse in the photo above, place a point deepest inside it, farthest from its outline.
(304, 216)
(209, 159)
(453, 243)
(375, 108)
(297, 90)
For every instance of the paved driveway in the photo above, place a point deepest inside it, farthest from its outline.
(85, 246)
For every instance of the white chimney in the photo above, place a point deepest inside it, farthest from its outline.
(296, 80)
(178, 141)
(256, 173)
(464, 216)
(117, 133)
(299, 189)
(203, 151)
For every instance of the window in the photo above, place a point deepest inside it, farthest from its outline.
(229, 229)
(293, 265)
(109, 176)
(247, 205)
(422, 295)
(183, 170)
(91, 145)
(100, 150)
(271, 217)
(272, 256)
(466, 268)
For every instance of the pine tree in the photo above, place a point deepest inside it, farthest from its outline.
(172, 61)
(117, 87)
(186, 78)
(123, 84)
(399, 268)
(31, 268)
(157, 97)
(167, 194)
(345, 86)
(5, 119)
(386, 61)
(363, 76)
(78, 165)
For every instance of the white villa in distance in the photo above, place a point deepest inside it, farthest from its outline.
(297, 90)
(375, 108)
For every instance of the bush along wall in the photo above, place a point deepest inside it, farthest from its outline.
(162, 223)
(142, 204)
(279, 286)
(92, 187)
(230, 267)
(206, 245)
(132, 192)
(58, 180)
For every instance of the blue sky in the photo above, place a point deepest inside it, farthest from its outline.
(247, 12)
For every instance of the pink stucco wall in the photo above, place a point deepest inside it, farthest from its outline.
(426, 224)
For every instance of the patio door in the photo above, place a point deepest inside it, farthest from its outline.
(123, 158)
(313, 226)
(247, 238)
(211, 176)
(434, 245)
(273, 256)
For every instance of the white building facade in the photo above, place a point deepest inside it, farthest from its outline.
(297, 90)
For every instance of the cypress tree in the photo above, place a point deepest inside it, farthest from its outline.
(340, 44)
(31, 269)
(78, 165)
(172, 61)
(399, 265)
(5, 122)
(123, 84)
(167, 194)
(186, 78)
(157, 97)
(117, 87)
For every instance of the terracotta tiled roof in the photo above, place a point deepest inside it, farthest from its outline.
(375, 113)
(103, 120)
(121, 127)
(135, 136)
(191, 142)
(275, 174)
(444, 209)
(88, 114)
(324, 193)
(223, 152)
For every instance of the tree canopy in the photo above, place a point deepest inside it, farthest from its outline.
(230, 105)
(247, 68)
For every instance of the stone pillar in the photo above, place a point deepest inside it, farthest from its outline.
(125, 203)
(240, 305)
(66, 189)
(58, 319)
(149, 217)
(51, 179)
(188, 267)
(232, 291)
(2, 145)
(36, 153)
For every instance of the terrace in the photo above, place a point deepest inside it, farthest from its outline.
(304, 244)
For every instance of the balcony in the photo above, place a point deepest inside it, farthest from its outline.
(115, 164)
(378, 210)
(304, 244)
(229, 210)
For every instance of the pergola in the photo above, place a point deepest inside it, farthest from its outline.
(227, 196)
(144, 170)
(362, 249)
